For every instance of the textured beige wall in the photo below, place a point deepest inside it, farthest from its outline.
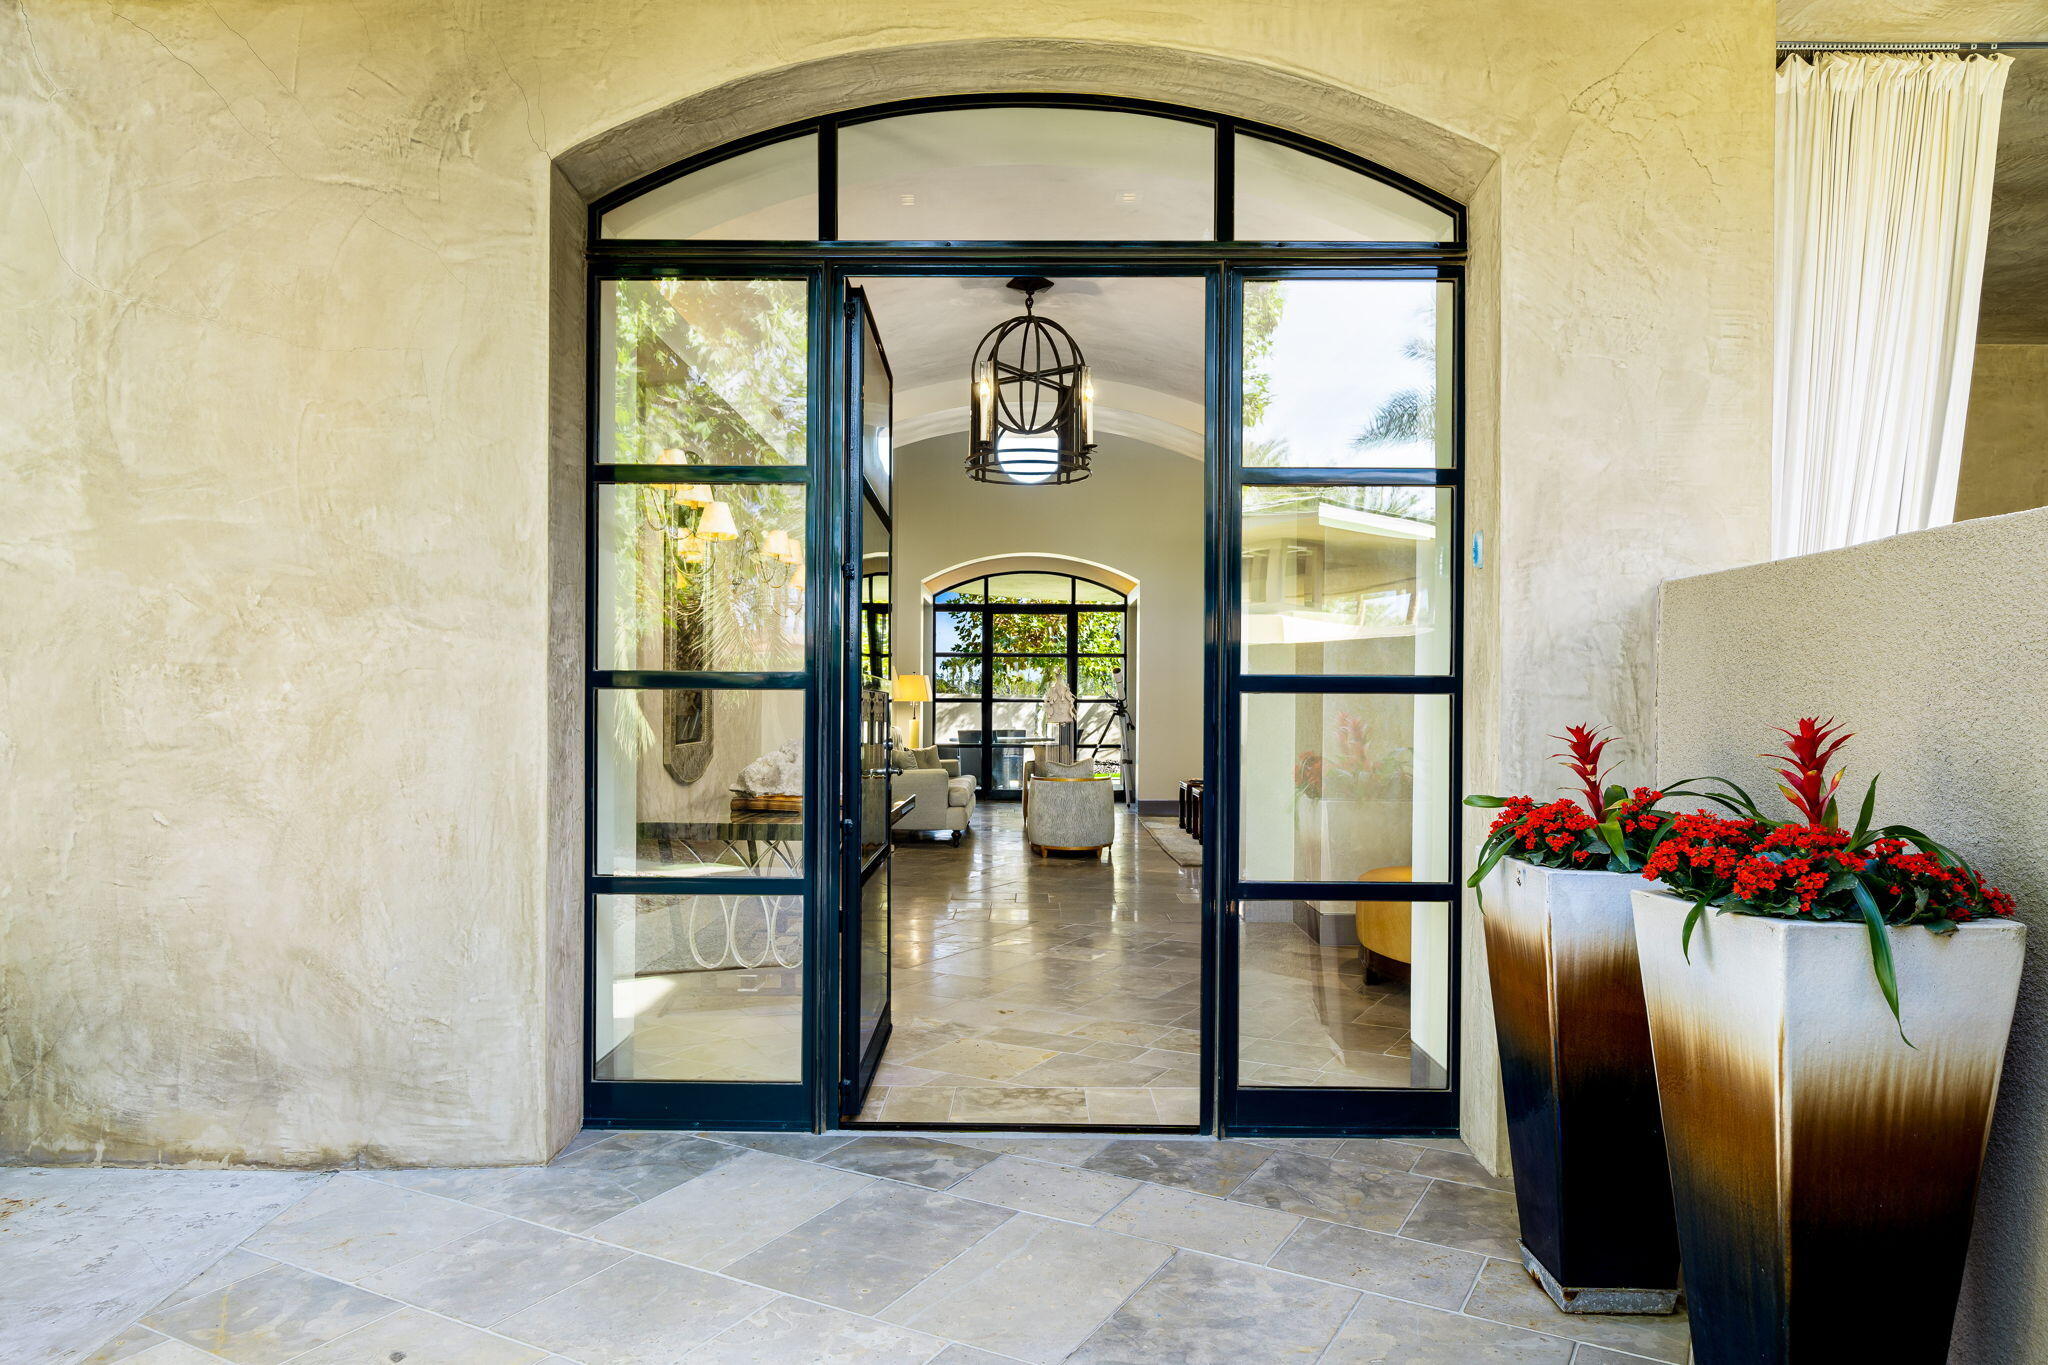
(1930, 648)
(2005, 440)
(287, 739)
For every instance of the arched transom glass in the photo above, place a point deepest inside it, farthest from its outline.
(1045, 170)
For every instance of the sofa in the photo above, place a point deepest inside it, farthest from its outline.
(945, 799)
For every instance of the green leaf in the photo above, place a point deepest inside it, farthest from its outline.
(1487, 861)
(1486, 802)
(1832, 816)
(1611, 832)
(1863, 816)
(1692, 922)
(1615, 792)
(1881, 956)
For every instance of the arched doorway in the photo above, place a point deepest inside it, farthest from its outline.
(734, 470)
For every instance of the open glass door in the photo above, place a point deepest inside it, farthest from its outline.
(864, 972)
(1336, 824)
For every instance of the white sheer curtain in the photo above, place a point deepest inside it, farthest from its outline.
(1884, 192)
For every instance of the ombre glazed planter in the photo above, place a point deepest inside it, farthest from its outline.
(1591, 1185)
(1824, 1172)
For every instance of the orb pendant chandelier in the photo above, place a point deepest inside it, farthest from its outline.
(1032, 402)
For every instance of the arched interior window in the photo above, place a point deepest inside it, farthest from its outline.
(997, 645)
(1063, 169)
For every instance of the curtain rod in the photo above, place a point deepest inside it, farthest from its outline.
(1966, 49)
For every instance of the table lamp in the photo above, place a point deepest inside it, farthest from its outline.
(914, 690)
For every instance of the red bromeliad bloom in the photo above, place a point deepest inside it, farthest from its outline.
(1807, 751)
(1583, 747)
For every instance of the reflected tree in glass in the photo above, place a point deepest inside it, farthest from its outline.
(708, 372)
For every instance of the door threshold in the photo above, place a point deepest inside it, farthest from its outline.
(1028, 1129)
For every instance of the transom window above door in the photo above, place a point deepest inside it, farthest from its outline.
(1056, 168)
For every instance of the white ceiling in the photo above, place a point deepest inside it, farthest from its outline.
(1142, 338)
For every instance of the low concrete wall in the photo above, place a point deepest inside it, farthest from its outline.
(1933, 648)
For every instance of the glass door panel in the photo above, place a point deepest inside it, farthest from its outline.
(1338, 824)
(703, 372)
(864, 962)
(704, 786)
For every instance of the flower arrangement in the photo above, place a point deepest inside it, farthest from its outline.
(1607, 828)
(1811, 868)
(1354, 766)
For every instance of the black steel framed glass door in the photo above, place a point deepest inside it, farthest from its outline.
(865, 917)
(1335, 820)
(703, 759)
(736, 893)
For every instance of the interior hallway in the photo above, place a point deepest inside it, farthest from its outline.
(1056, 989)
(1067, 989)
(645, 1248)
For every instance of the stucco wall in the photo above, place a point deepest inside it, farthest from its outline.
(1931, 647)
(2005, 440)
(286, 742)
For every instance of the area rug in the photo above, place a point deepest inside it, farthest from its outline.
(1170, 836)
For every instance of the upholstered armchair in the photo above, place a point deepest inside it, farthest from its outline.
(1069, 813)
(945, 799)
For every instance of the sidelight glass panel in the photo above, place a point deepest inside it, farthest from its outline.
(703, 372)
(706, 577)
(699, 783)
(1084, 591)
(1344, 994)
(1026, 174)
(1344, 580)
(1287, 195)
(1345, 787)
(1346, 373)
(699, 988)
(767, 194)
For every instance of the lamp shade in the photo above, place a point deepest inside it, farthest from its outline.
(717, 523)
(912, 687)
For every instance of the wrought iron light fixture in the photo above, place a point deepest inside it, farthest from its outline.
(1032, 402)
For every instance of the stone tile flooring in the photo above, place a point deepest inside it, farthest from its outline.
(1064, 989)
(644, 1248)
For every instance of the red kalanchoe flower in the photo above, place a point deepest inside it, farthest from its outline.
(1583, 747)
(1807, 751)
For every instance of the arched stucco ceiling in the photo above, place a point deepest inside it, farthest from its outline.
(1142, 337)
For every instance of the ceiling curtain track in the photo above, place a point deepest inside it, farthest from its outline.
(1884, 171)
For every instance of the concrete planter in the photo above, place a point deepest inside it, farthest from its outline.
(1590, 1179)
(1824, 1172)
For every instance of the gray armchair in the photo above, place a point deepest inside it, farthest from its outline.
(1070, 813)
(944, 799)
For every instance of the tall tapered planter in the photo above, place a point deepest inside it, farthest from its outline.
(1590, 1178)
(1824, 1172)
